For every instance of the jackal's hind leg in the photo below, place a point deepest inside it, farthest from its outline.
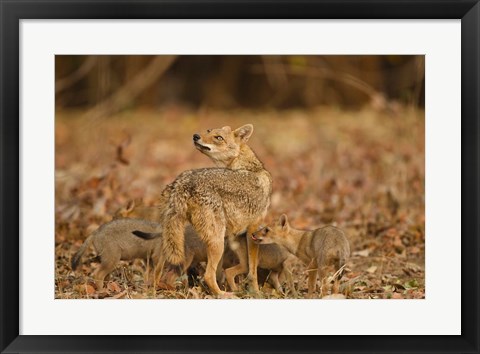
(158, 265)
(253, 250)
(158, 272)
(232, 272)
(273, 280)
(322, 267)
(220, 276)
(105, 268)
(210, 226)
(287, 272)
(242, 266)
(214, 254)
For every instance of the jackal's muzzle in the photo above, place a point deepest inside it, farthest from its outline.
(258, 235)
(198, 145)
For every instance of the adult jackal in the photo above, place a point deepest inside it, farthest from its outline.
(226, 200)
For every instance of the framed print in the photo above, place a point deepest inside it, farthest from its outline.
(237, 176)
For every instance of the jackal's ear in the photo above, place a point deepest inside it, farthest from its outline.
(244, 132)
(130, 206)
(227, 129)
(283, 221)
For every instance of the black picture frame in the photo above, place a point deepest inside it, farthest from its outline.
(12, 11)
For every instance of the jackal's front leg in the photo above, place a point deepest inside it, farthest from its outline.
(253, 250)
(312, 270)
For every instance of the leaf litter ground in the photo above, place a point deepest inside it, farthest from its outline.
(363, 171)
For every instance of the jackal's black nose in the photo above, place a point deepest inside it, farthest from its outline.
(196, 137)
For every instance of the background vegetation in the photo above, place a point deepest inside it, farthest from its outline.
(343, 137)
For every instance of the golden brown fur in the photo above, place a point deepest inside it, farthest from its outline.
(226, 200)
(317, 248)
(114, 241)
(271, 257)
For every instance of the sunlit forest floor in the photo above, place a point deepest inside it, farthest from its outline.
(362, 171)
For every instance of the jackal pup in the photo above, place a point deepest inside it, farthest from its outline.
(317, 248)
(114, 241)
(136, 209)
(271, 257)
(226, 200)
(273, 260)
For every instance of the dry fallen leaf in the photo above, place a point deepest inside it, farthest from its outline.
(89, 289)
(340, 175)
(414, 250)
(114, 287)
(334, 297)
(362, 253)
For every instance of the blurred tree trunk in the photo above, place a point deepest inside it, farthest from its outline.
(133, 65)
(133, 88)
(68, 81)
(109, 83)
(223, 86)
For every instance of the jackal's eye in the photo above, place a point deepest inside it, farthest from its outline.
(219, 138)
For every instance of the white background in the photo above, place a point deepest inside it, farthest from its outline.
(439, 313)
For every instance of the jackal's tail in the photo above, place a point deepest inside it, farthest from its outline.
(78, 256)
(146, 235)
(174, 219)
